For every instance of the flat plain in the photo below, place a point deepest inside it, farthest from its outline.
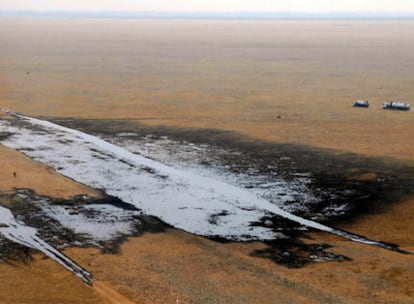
(290, 82)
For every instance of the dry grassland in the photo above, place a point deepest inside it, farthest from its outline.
(227, 75)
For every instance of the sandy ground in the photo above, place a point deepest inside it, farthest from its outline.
(225, 75)
(175, 265)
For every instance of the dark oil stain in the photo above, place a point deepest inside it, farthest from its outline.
(24, 204)
(365, 184)
(337, 177)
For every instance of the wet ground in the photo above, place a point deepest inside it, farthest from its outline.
(346, 186)
(96, 222)
(326, 186)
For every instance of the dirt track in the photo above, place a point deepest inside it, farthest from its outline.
(109, 294)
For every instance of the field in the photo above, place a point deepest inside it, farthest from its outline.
(272, 83)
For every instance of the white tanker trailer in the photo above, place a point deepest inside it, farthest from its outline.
(395, 105)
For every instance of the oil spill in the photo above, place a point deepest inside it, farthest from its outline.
(38, 211)
(335, 176)
(347, 185)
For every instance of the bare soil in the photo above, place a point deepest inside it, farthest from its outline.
(284, 82)
(290, 82)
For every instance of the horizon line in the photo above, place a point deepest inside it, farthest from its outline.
(260, 15)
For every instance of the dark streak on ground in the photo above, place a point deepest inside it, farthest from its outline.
(24, 206)
(335, 180)
(4, 135)
(335, 175)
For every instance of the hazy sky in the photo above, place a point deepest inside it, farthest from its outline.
(214, 5)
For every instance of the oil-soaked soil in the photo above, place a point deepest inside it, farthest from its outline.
(345, 186)
(26, 206)
(365, 185)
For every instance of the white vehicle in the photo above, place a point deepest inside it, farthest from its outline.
(394, 105)
(361, 103)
